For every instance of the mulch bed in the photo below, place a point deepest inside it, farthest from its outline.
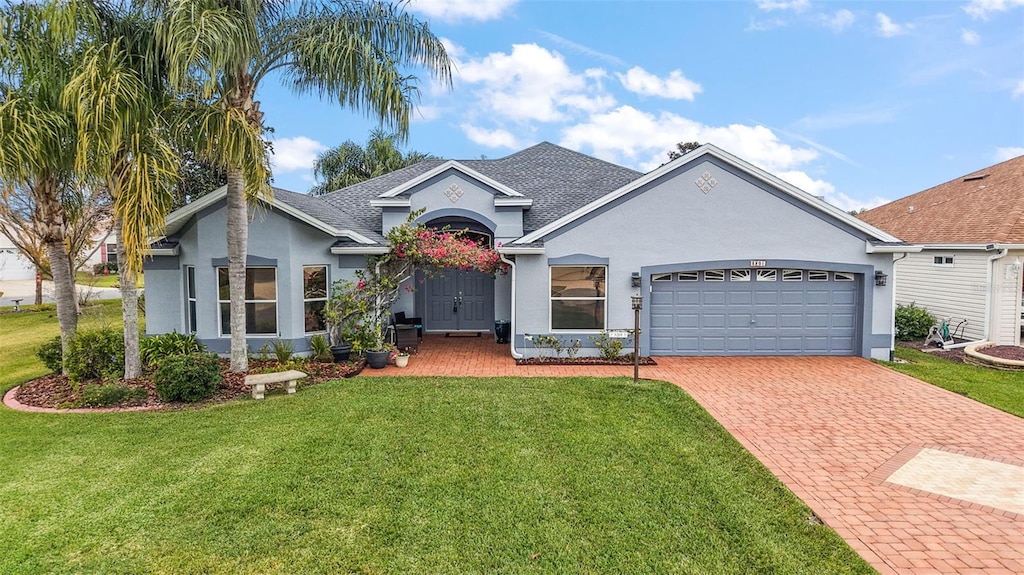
(1004, 352)
(57, 391)
(582, 361)
(956, 355)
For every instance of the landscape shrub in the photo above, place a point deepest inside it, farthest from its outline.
(188, 378)
(95, 354)
(51, 355)
(156, 348)
(110, 394)
(912, 322)
(320, 347)
(283, 350)
(608, 347)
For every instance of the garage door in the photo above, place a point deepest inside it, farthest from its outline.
(15, 267)
(755, 312)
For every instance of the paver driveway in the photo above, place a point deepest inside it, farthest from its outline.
(833, 430)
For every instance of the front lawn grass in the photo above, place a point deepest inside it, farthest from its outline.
(1001, 389)
(404, 475)
(87, 278)
(21, 333)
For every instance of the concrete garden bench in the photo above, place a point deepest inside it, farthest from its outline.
(259, 381)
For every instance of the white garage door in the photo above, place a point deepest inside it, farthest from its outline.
(755, 312)
(14, 267)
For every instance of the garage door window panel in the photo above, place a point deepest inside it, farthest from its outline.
(578, 298)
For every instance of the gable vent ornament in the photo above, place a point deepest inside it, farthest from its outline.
(705, 182)
(453, 192)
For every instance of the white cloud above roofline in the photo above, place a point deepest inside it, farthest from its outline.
(453, 11)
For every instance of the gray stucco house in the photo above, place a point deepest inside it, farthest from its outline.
(730, 260)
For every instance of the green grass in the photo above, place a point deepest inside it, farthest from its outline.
(400, 475)
(1001, 389)
(102, 281)
(23, 332)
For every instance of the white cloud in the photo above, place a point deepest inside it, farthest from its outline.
(491, 138)
(969, 37)
(794, 5)
(675, 86)
(424, 113)
(643, 139)
(839, 21)
(887, 28)
(458, 10)
(532, 84)
(846, 118)
(983, 8)
(1019, 90)
(581, 49)
(294, 154)
(1008, 153)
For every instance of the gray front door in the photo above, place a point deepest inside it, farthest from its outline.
(458, 300)
(755, 312)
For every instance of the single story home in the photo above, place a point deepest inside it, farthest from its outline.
(971, 230)
(728, 259)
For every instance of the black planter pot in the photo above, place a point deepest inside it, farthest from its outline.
(377, 359)
(341, 352)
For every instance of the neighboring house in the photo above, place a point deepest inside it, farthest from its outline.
(13, 265)
(972, 232)
(730, 260)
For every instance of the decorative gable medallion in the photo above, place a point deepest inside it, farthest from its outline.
(705, 182)
(453, 192)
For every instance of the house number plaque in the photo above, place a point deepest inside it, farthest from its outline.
(758, 263)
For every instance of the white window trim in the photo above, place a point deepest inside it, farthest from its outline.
(190, 297)
(843, 277)
(763, 275)
(822, 276)
(737, 275)
(721, 279)
(687, 277)
(276, 300)
(327, 293)
(944, 264)
(793, 271)
(604, 298)
(660, 277)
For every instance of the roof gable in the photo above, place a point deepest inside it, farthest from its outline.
(454, 166)
(814, 203)
(986, 206)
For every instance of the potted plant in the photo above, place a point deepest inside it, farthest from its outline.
(342, 314)
(402, 359)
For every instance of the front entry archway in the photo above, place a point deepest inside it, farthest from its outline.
(458, 300)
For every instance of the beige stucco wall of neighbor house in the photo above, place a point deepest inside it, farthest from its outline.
(956, 291)
(1006, 299)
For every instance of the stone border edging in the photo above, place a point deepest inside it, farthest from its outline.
(11, 401)
(988, 360)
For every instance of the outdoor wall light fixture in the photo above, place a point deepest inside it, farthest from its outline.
(880, 279)
(635, 279)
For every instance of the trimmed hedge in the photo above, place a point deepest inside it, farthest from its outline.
(912, 322)
(189, 378)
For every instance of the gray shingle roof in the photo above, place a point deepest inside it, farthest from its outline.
(326, 213)
(558, 180)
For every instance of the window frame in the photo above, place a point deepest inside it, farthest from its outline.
(817, 276)
(191, 301)
(693, 276)
(843, 276)
(305, 300)
(790, 272)
(767, 275)
(713, 279)
(659, 277)
(276, 301)
(603, 299)
(944, 261)
(740, 275)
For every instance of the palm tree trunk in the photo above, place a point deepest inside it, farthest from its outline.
(52, 223)
(238, 242)
(129, 310)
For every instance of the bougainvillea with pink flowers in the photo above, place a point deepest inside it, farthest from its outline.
(412, 246)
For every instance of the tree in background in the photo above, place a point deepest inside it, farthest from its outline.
(350, 163)
(352, 51)
(87, 219)
(682, 148)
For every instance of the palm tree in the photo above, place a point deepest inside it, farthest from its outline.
(349, 163)
(39, 48)
(349, 50)
(121, 108)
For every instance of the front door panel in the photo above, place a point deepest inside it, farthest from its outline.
(458, 300)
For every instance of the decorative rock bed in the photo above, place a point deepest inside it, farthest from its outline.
(975, 355)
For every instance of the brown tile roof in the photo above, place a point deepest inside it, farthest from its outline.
(983, 207)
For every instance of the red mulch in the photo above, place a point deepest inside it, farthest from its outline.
(56, 391)
(1004, 352)
(624, 360)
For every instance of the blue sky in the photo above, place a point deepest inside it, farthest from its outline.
(860, 102)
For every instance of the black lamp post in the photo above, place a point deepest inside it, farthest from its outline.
(638, 304)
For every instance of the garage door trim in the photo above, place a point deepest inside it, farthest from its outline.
(866, 272)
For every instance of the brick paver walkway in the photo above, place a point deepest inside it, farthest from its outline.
(833, 430)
